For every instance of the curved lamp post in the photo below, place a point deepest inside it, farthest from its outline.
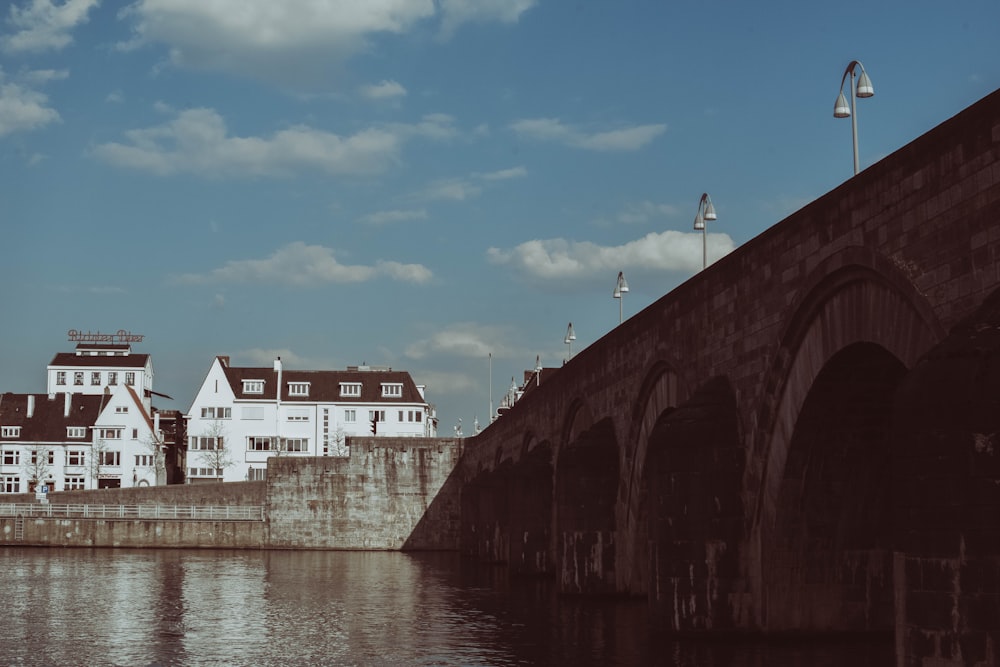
(619, 293)
(864, 88)
(706, 212)
(570, 337)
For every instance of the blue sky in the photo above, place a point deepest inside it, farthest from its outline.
(420, 183)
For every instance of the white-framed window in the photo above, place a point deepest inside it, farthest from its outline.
(392, 389)
(95, 378)
(135, 434)
(144, 459)
(217, 413)
(76, 457)
(298, 388)
(253, 386)
(205, 443)
(295, 444)
(130, 378)
(10, 431)
(75, 483)
(377, 415)
(112, 378)
(76, 431)
(10, 484)
(110, 458)
(109, 433)
(10, 457)
(350, 416)
(204, 472)
(350, 389)
(121, 409)
(298, 414)
(259, 443)
(257, 474)
(61, 377)
(48, 455)
(78, 378)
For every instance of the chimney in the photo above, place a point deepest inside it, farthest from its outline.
(69, 403)
(277, 369)
(225, 360)
(31, 405)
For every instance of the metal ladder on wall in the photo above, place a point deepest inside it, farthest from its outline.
(19, 528)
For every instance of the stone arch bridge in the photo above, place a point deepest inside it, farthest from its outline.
(803, 437)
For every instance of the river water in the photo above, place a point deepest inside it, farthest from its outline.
(209, 607)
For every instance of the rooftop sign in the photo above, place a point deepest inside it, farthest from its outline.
(121, 336)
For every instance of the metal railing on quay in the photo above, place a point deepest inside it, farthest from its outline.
(163, 512)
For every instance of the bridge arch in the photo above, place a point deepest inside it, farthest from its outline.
(858, 325)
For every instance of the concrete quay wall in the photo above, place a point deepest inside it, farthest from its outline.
(134, 533)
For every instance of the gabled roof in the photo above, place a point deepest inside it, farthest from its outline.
(72, 360)
(138, 403)
(324, 386)
(49, 421)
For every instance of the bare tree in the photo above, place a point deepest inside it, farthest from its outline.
(338, 443)
(96, 460)
(36, 465)
(158, 458)
(218, 458)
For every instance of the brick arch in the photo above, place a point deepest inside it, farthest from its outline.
(578, 419)
(853, 297)
(662, 389)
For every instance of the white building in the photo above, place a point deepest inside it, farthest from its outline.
(94, 428)
(242, 416)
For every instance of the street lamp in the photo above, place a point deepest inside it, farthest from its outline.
(570, 337)
(706, 212)
(619, 293)
(841, 110)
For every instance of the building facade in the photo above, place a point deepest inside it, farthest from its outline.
(242, 416)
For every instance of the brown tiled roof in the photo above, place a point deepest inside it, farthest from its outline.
(48, 422)
(72, 360)
(324, 386)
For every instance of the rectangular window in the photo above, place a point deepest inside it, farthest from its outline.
(205, 443)
(350, 389)
(112, 378)
(135, 434)
(75, 483)
(76, 431)
(350, 416)
(61, 377)
(10, 484)
(298, 388)
(217, 413)
(376, 414)
(257, 474)
(113, 459)
(10, 431)
(121, 409)
(130, 378)
(11, 457)
(109, 433)
(144, 459)
(47, 455)
(78, 378)
(204, 472)
(392, 389)
(253, 386)
(257, 443)
(298, 414)
(75, 458)
(95, 378)
(295, 444)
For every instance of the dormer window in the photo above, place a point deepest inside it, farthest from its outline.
(298, 388)
(10, 431)
(350, 389)
(392, 389)
(253, 386)
(76, 431)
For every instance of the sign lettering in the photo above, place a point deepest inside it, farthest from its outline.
(121, 336)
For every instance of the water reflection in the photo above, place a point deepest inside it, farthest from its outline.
(175, 607)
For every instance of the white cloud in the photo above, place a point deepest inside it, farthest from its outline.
(559, 259)
(457, 12)
(454, 189)
(41, 76)
(41, 25)
(385, 90)
(387, 217)
(197, 141)
(504, 174)
(300, 265)
(465, 339)
(644, 211)
(23, 109)
(623, 139)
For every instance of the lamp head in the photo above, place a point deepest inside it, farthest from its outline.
(865, 88)
(622, 285)
(570, 334)
(710, 210)
(699, 222)
(841, 109)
